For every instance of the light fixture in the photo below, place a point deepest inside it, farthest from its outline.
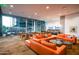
(47, 7)
(36, 13)
(12, 6)
(64, 7)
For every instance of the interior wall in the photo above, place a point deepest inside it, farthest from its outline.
(72, 21)
(53, 22)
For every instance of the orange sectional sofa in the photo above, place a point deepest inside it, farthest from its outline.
(40, 44)
(67, 38)
(42, 47)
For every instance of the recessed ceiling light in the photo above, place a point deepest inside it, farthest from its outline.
(36, 13)
(47, 7)
(64, 7)
(11, 5)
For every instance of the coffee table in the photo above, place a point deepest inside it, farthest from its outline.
(60, 42)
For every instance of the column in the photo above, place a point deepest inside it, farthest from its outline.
(62, 22)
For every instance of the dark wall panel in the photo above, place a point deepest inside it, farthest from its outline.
(0, 22)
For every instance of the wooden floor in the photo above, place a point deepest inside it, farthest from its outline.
(74, 50)
(12, 45)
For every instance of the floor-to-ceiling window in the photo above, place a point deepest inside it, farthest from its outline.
(20, 24)
(38, 26)
(8, 23)
(30, 25)
(14, 25)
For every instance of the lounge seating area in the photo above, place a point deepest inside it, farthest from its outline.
(42, 45)
(39, 29)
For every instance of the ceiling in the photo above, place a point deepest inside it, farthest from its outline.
(40, 11)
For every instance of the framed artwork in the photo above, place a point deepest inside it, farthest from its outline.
(73, 29)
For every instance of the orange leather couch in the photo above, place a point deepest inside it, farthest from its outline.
(42, 47)
(66, 38)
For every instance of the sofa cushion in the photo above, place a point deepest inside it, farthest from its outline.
(49, 35)
(37, 40)
(39, 36)
(51, 45)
